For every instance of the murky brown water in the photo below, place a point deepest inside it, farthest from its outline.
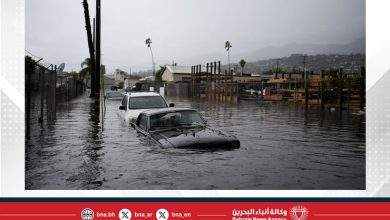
(281, 148)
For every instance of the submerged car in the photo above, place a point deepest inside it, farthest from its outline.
(182, 128)
(136, 102)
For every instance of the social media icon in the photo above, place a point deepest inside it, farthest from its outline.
(124, 214)
(87, 214)
(162, 214)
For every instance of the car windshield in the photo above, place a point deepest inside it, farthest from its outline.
(114, 94)
(146, 102)
(175, 119)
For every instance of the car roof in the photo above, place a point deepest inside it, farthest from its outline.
(141, 94)
(165, 110)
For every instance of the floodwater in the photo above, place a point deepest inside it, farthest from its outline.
(281, 148)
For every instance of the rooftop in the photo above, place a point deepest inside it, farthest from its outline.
(182, 69)
(179, 69)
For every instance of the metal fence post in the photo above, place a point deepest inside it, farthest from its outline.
(41, 87)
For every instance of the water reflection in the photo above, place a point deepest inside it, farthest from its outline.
(282, 147)
(88, 173)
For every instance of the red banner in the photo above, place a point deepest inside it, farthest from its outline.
(195, 210)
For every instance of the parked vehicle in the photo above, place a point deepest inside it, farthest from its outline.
(136, 102)
(114, 95)
(182, 128)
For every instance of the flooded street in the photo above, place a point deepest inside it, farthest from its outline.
(281, 148)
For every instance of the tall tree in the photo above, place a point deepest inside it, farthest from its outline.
(149, 42)
(159, 73)
(90, 47)
(228, 45)
(74, 75)
(86, 67)
(242, 64)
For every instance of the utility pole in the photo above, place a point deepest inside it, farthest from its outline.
(305, 83)
(91, 65)
(41, 87)
(97, 54)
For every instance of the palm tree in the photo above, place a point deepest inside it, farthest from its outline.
(148, 42)
(242, 64)
(90, 47)
(228, 45)
(159, 73)
(86, 67)
(74, 75)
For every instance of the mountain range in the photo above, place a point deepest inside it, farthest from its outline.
(356, 47)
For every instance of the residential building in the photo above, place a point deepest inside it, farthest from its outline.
(176, 73)
(120, 75)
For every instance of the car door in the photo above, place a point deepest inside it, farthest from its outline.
(122, 113)
(142, 125)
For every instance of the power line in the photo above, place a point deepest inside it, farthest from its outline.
(46, 64)
(32, 54)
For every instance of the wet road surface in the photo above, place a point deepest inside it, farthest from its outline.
(281, 148)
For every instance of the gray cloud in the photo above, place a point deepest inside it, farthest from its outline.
(180, 29)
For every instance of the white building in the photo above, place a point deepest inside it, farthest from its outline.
(120, 75)
(177, 73)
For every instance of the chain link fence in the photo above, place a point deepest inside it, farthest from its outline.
(44, 88)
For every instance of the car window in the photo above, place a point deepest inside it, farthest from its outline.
(175, 119)
(124, 101)
(114, 94)
(142, 122)
(147, 102)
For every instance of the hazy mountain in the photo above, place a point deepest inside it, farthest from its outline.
(350, 63)
(355, 47)
(202, 59)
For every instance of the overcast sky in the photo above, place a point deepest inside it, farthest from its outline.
(55, 29)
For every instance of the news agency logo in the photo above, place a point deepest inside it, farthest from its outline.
(299, 213)
(87, 214)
